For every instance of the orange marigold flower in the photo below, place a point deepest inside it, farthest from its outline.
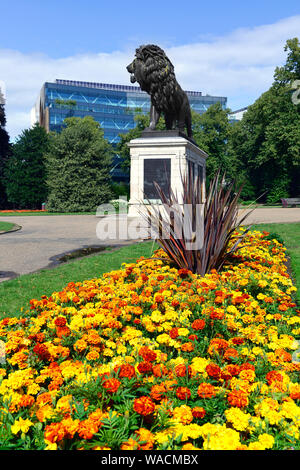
(231, 354)
(146, 439)
(54, 432)
(181, 370)
(111, 385)
(159, 370)
(87, 429)
(274, 376)
(157, 392)
(206, 390)
(144, 406)
(187, 347)
(93, 355)
(198, 324)
(183, 393)
(238, 398)
(63, 331)
(131, 444)
(125, 370)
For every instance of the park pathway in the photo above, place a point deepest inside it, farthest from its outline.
(42, 240)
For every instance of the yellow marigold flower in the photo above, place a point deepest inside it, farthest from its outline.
(221, 438)
(266, 440)
(237, 418)
(183, 414)
(22, 425)
(183, 331)
(255, 446)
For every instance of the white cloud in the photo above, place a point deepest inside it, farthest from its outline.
(239, 65)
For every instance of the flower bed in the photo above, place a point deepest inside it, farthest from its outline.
(151, 357)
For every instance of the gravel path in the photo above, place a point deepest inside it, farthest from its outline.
(43, 239)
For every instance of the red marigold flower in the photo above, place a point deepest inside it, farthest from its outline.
(206, 390)
(60, 321)
(144, 406)
(147, 354)
(125, 370)
(183, 393)
(213, 370)
(238, 398)
(144, 367)
(198, 412)
(198, 324)
(183, 273)
(111, 385)
(42, 352)
(193, 337)
(238, 340)
(173, 333)
(175, 303)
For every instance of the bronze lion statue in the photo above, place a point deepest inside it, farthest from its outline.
(154, 72)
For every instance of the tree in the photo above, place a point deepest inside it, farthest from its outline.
(25, 173)
(266, 142)
(211, 133)
(78, 167)
(4, 151)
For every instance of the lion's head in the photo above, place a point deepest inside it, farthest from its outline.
(152, 69)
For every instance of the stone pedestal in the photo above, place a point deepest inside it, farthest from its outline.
(164, 157)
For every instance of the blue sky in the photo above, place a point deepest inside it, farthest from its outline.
(228, 48)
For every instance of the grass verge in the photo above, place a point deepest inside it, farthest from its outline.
(6, 226)
(290, 234)
(16, 293)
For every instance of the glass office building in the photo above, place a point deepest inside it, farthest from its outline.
(113, 106)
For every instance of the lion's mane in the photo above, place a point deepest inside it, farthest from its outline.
(156, 76)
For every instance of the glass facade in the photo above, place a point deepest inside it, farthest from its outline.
(113, 106)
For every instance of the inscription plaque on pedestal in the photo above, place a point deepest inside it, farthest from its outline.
(156, 170)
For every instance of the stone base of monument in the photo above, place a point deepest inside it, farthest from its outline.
(162, 157)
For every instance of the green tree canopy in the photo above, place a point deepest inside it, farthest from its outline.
(78, 167)
(211, 132)
(25, 174)
(266, 143)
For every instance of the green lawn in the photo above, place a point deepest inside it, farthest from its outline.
(290, 233)
(5, 226)
(16, 293)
